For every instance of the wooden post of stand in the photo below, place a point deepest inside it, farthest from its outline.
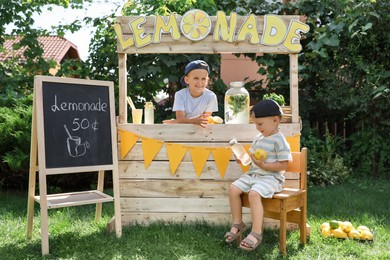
(294, 88)
(122, 88)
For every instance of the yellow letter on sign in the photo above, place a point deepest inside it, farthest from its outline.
(139, 33)
(171, 26)
(249, 27)
(292, 42)
(124, 43)
(274, 30)
(222, 30)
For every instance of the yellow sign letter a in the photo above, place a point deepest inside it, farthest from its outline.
(141, 39)
(274, 30)
(222, 30)
(292, 42)
(124, 43)
(249, 27)
(171, 26)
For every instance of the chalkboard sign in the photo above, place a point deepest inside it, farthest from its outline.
(77, 123)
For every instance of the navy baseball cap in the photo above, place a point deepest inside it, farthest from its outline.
(266, 108)
(193, 65)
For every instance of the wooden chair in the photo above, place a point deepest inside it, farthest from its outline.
(289, 205)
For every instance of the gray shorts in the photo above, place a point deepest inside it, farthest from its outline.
(265, 185)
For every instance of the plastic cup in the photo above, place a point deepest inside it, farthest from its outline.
(137, 115)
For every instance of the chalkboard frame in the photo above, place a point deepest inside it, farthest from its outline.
(42, 158)
(38, 164)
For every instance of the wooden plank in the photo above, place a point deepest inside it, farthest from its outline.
(174, 188)
(161, 170)
(75, 199)
(180, 188)
(194, 205)
(146, 218)
(212, 133)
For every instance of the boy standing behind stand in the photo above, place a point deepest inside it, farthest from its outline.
(265, 176)
(195, 103)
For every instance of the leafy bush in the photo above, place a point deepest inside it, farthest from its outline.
(325, 165)
(15, 125)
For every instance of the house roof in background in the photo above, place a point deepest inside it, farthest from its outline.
(54, 48)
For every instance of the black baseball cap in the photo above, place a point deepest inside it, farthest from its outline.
(266, 108)
(193, 65)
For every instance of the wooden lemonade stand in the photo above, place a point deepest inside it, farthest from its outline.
(182, 172)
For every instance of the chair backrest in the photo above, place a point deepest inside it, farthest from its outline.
(299, 165)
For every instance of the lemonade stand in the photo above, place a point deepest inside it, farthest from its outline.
(182, 172)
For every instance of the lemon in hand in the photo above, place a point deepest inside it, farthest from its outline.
(260, 153)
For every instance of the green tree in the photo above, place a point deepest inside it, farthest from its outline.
(16, 83)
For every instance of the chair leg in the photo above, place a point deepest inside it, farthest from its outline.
(283, 232)
(302, 226)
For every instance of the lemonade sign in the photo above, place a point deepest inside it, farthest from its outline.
(196, 26)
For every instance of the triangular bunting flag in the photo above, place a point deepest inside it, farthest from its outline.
(128, 140)
(199, 155)
(222, 158)
(294, 142)
(246, 168)
(150, 148)
(176, 154)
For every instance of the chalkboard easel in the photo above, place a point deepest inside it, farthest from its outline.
(73, 131)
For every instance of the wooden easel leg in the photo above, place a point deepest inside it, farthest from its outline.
(33, 173)
(30, 203)
(44, 212)
(100, 184)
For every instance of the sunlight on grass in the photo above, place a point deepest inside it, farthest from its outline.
(75, 235)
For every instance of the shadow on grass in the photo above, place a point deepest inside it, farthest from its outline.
(157, 241)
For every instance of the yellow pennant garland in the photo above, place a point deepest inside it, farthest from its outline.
(199, 157)
(176, 153)
(294, 142)
(222, 158)
(128, 140)
(150, 148)
(246, 168)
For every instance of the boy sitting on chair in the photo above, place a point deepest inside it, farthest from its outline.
(265, 176)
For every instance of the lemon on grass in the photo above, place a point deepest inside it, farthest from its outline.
(324, 225)
(326, 232)
(339, 233)
(354, 234)
(334, 224)
(366, 235)
(346, 226)
(195, 25)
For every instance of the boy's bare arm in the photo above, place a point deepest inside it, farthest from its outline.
(199, 120)
(274, 167)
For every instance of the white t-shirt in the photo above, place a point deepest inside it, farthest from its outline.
(194, 107)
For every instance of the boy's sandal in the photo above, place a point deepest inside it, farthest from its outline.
(230, 237)
(251, 245)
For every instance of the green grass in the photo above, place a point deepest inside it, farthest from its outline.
(74, 235)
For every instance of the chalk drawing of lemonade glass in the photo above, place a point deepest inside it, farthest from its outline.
(75, 147)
